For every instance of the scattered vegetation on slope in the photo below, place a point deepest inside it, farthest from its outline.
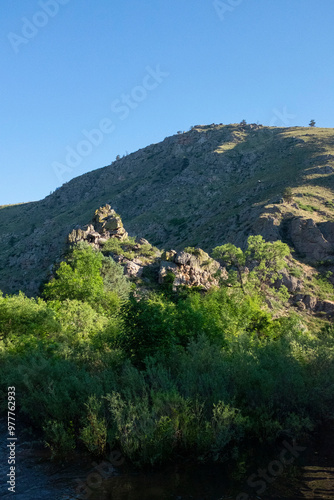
(204, 187)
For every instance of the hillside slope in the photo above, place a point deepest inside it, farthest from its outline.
(205, 187)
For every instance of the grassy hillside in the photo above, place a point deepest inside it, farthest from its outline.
(205, 187)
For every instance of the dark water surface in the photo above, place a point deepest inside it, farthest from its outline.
(37, 478)
(188, 482)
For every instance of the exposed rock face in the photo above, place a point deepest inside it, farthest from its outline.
(308, 239)
(106, 224)
(314, 304)
(191, 269)
(326, 306)
(268, 226)
(133, 270)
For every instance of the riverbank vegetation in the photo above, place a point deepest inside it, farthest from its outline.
(97, 365)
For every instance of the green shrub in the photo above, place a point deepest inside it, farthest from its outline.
(20, 315)
(120, 247)
(80, 278)
(297, 272)
(59, 439)
(308, 208)
(324, 288)
(114, 279)
(94, 433)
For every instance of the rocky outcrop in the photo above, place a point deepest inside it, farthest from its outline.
(268, 226)
(308, 239)
(313, 304)
(191, 269)
(106, 224)
(133, 270)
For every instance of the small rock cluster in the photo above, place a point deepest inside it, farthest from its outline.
(314, 304)
(191, 269)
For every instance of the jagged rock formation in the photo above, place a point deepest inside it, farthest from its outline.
(191, 269)
(106, 224)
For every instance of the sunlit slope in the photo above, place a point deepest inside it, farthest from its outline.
(203, 187)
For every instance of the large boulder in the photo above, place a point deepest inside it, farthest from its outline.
(133, 270)
(326, 306)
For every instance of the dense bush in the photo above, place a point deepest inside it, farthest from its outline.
(167, 374)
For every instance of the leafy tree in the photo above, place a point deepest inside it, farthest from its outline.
(78, 320)
(114, 279)
(79, 278)
(312, 123)
(149, 326)
(265, 259)
(268, 257)
(231, 256)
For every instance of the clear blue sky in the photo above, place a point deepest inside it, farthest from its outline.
(66, 67)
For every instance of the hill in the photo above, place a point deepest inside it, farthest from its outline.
(212, 185)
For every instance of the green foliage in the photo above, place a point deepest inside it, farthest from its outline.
(148, 250)
(114, 279)
(269, 258)
(288, 194)
(193, 251)
(148, 326)
(296, 271)
(94, 433)
(78, 321)
(118, 247)
(80, 278)
(324, 288)
(231, 256)
(308, 208)
(265, 259)
(59, 439)
(176, 373)
(144, 436)
(20, 315)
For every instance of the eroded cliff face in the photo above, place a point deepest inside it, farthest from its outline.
(206, 187)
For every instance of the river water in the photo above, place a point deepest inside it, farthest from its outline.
(38, 478)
